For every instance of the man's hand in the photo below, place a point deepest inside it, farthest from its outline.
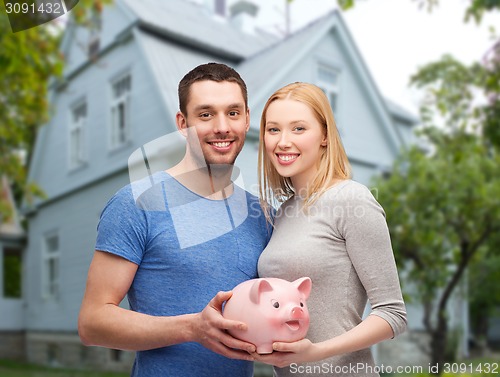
(210, 330)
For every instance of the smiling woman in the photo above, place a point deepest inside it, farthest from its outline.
(329, 228)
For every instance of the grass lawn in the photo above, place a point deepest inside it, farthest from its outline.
(13, 369)
(480, 367)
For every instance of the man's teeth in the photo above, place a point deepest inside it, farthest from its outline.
(287, 157)
(222, 144)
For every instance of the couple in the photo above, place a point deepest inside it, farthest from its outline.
(327, 227)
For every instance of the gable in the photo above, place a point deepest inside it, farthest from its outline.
(360, 104)
(168, 63)
(115, 20)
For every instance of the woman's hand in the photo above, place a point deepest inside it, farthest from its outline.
(285, 354)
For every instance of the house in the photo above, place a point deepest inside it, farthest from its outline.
(118, 99)
(12, 244)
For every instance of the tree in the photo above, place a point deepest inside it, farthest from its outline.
(442, 208)
(441, 203)
(29, 60)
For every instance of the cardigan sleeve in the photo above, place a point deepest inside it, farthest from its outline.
(368, 245)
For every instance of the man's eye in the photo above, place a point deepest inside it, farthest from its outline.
(204, 115)
(233, 113)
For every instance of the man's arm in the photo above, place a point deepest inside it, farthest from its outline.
(102, 322)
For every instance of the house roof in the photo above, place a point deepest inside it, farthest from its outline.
(401, 113)
(10, 227)
(265, 69)
(193, 25)
(168, 64)
(268, 66)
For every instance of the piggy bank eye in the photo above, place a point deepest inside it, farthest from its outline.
(301, 305)
(276, 304)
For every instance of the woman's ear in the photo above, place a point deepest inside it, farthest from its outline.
(324, 142)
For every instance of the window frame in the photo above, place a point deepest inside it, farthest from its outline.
(330, 89)
(119, 136)
(78, 159)
(51, 284)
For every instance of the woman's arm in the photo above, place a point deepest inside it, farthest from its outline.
(367, 241)
(371, 331)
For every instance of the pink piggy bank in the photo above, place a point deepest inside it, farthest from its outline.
(274, 310)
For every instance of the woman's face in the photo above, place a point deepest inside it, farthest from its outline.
(293, 140)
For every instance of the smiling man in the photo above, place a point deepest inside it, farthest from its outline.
(183, 243)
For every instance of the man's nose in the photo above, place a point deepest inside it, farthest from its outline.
(222, 125)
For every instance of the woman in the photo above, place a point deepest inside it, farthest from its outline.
(329, 228)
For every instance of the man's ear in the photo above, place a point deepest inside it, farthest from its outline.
(247, 120)
(181, 122)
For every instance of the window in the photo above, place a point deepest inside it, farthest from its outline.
(76, 135)
(50, 263)
(12, 267)
(115, 356)
(220, 7)
(120, 111)
(328, 81)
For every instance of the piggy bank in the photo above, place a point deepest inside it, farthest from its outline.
(273, 309)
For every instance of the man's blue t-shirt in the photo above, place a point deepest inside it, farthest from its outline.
(187, 248)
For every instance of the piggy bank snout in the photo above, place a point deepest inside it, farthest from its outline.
(298, 313)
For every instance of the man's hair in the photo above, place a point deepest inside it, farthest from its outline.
(211, 71)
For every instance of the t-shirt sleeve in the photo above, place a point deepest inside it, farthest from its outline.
(122, 228)
(369, 247)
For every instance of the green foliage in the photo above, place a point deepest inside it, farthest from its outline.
(478, 8)
(441, 206)
(29, 60)
(14, 369)
(449, 88)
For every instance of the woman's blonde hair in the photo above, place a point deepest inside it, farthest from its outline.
(333, 164)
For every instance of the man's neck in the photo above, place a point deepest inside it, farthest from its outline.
(212, 181)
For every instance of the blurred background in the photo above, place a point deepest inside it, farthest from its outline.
(414, 85)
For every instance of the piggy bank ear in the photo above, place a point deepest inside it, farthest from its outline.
(304, 286)
(260, 286)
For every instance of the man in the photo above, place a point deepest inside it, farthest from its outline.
(172, 241)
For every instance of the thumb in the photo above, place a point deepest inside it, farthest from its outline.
(282, 347)
(220, 298)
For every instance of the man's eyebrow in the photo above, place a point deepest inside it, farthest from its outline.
(236, 105)
(203, 107)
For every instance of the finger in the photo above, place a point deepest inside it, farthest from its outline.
(232, 342)
(233, 353)
(220, 298)
(283, 347)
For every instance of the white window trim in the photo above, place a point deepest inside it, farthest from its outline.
(329, 88)
(113, 134)
(80, 127)
(50, 289)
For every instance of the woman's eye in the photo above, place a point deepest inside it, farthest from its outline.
(272, 130)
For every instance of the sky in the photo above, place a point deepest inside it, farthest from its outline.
(395, 37)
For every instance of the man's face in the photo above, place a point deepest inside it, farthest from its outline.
(216, 110)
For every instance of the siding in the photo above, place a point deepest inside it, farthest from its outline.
(75, 219)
